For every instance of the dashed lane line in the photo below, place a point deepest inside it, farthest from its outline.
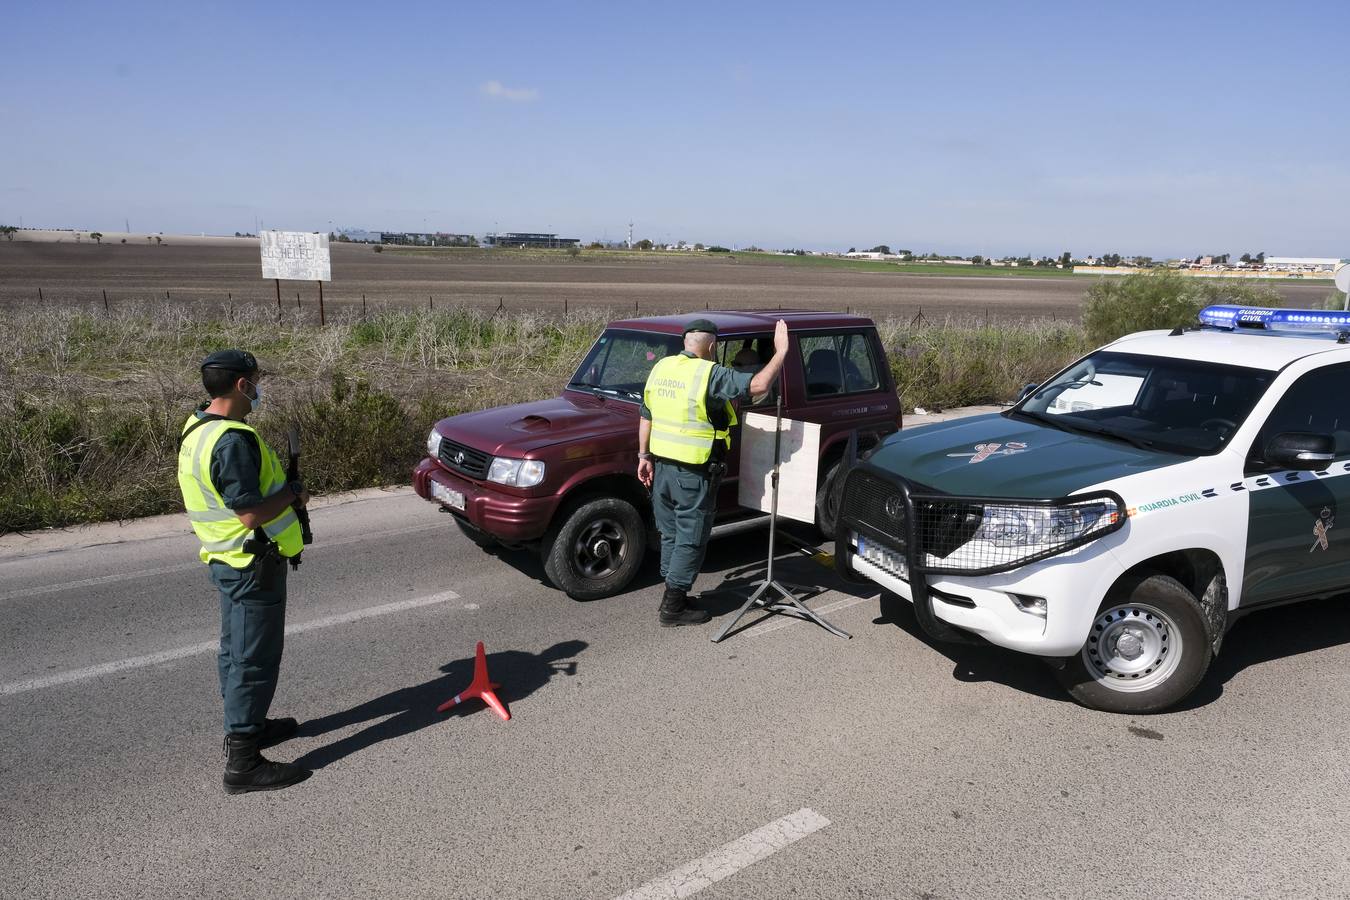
(188, 567)
(730, 858)
(164, 656)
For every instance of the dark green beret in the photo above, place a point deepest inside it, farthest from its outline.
(702, 325)
(231, 360)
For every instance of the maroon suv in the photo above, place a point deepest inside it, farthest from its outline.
(560, 475)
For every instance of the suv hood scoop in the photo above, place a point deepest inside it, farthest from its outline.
(531, 424)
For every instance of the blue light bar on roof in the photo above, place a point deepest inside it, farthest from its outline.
(1231, 317)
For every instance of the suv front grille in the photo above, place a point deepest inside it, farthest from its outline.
(465, 460)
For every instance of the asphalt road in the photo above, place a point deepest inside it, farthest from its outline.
(783, 762)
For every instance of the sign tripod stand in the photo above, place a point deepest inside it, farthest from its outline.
(771, 596)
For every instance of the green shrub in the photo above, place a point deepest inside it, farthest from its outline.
(1162, 299)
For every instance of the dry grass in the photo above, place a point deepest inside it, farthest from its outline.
(91, 403)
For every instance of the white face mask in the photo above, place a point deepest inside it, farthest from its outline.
(256, 399)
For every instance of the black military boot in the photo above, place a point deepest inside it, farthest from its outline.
(277, 730)
(248, 770)
(675, 610)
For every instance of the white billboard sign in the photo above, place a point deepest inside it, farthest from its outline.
(295, 255)
(799, 457)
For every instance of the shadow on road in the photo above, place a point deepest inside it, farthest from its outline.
(976, 662)
(1273, 634)
(413, 708)
(1259, 638)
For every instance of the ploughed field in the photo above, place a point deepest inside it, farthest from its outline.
(656, 283)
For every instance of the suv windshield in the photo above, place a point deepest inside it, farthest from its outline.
(1172, 405)
(618, 364)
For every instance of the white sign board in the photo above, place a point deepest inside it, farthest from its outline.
(799, 457)
(295, 255)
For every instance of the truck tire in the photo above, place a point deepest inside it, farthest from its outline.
(596, 549)
(826, 501)
(1148, 648)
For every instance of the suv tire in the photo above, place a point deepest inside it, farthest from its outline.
(596, 548)
(1147, 650)
(827, 501)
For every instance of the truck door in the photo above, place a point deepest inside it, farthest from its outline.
(1297, 542)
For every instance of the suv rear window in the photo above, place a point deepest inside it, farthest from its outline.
(620, 361)
(839, 364)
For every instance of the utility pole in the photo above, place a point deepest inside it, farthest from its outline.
(630, 235)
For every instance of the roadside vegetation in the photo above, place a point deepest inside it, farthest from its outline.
(91, 402)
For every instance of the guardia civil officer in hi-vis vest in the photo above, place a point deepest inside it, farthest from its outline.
(683, 438)
(243, 511)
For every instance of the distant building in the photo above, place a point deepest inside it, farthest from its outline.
(528, 239)
(360, 235)
(1302, 263)
(427, 239)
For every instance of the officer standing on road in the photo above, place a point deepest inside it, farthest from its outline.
(683, 438)
(243, 511)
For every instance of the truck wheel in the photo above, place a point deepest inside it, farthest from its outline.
(827, 503)
(481, 538)
(1147, 649)
(597, 549)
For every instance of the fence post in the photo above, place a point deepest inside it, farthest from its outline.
(39, 295)
(430, 305)
(166, 296)
(363, 306)
(297, 299)
(105, 300)
(321, 321)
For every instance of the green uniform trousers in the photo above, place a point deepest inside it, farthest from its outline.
(684, 500)
(252, 633)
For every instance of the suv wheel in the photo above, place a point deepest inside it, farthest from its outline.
(597, 549)
(827, 501)
(1147, 649)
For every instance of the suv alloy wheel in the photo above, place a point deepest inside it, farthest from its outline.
(596, 549)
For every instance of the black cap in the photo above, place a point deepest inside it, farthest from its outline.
(707, 325)
(231, 360)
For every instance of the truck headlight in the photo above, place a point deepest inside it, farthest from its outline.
(434, 444)
(516, 472)
(1031, 526)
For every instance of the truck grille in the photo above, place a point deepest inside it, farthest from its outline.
(876, 505)
(465, 460)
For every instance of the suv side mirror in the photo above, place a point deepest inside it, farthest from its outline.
(1301, 450)
(1025, 392)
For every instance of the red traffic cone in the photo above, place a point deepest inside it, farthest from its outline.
(480, 688)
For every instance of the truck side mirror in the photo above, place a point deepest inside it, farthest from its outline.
(1301, 450)
(1026, 391)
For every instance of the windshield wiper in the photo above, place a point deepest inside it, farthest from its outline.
(607, 391)
(1081, 428)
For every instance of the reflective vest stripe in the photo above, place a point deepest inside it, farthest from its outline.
(281, 523)
(212, 515)
(235, 543)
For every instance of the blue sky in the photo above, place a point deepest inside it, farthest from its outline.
(1167, 129)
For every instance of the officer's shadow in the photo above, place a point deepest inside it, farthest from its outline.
(410, 709)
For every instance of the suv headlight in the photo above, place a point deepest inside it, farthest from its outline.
(516, 472)
(1031, 526)
(434, 444)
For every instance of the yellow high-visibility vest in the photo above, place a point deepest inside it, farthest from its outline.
(677, 396)
(219, 529)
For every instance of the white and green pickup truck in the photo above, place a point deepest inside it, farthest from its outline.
(1119, 517)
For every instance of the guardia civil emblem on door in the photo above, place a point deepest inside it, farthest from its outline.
(1321, 525)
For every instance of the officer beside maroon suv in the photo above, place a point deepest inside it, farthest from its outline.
(558, 477)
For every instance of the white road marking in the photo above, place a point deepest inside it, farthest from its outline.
(730, 858)
(188, 567)
(787, 621)
(154, 659)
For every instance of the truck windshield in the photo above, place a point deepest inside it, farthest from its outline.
(619, 362)
(1171, 405)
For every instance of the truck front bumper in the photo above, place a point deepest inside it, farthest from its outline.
(510, 518)
(1071, 585)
